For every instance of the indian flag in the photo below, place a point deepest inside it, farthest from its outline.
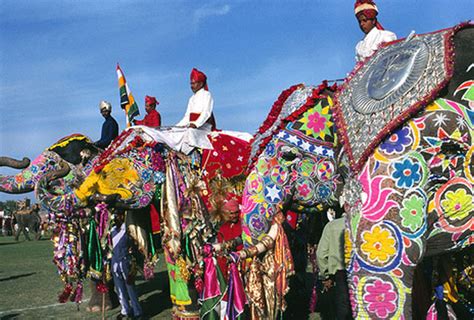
(127, 102)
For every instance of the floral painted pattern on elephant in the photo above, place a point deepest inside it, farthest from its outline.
(417, 200)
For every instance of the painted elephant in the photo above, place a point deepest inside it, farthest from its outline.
(134, 171)
(413, 196)
(408, 191)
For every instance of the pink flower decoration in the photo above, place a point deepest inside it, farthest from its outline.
(304, 190)
(254, 184)
(380, 298)
(316, 122)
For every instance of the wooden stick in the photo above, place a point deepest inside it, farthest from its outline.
(103, 306)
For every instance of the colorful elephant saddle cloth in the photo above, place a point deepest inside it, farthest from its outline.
(390, 87)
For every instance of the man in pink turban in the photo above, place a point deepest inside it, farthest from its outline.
(199, 112)
(366, 13)
(152, 118)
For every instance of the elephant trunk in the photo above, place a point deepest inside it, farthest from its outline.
(265, 244)
(15, 184)
(13, 163)
(59, 173)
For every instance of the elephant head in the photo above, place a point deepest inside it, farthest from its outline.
(294, 161)
(294, 166)
(77, 151)
(124, 174)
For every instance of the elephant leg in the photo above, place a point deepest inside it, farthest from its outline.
(26, 232)
(21, 229)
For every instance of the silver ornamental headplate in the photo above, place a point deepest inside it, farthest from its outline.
(387, 89)
(390, 75)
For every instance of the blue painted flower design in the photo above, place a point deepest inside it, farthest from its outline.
(159, 177)
(397, 142)
(270, 149)
(406, 173)
(146, 174)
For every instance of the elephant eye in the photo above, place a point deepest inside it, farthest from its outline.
(289, 155)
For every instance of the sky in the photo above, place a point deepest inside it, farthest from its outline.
(58, 58)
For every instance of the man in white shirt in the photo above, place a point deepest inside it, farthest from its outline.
(366, 13)
(199, 112)
(121, 270)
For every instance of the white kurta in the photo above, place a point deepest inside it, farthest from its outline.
(371, 42)
(201, 102)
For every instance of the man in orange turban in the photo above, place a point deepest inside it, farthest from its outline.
(366, 13)
(152, 118)
(199, 112)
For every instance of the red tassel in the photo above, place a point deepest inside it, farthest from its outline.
(314, 300)
(148, 271)
(199, 285)
(77, 293)
(63, 297)
(102, 287)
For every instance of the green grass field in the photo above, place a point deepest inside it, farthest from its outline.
(29, 286)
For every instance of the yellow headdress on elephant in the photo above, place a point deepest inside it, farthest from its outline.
(114, 178)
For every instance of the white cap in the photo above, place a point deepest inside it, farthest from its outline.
(105, 105)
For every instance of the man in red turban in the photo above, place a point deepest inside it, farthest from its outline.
(366, 13)
(199, 112)
(152, 118)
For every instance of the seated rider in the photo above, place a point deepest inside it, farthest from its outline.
(152, 118)
(366, 13)
(110, 127)
(199, 112)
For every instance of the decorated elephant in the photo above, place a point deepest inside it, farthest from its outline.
(60, 169)
(405, 121)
